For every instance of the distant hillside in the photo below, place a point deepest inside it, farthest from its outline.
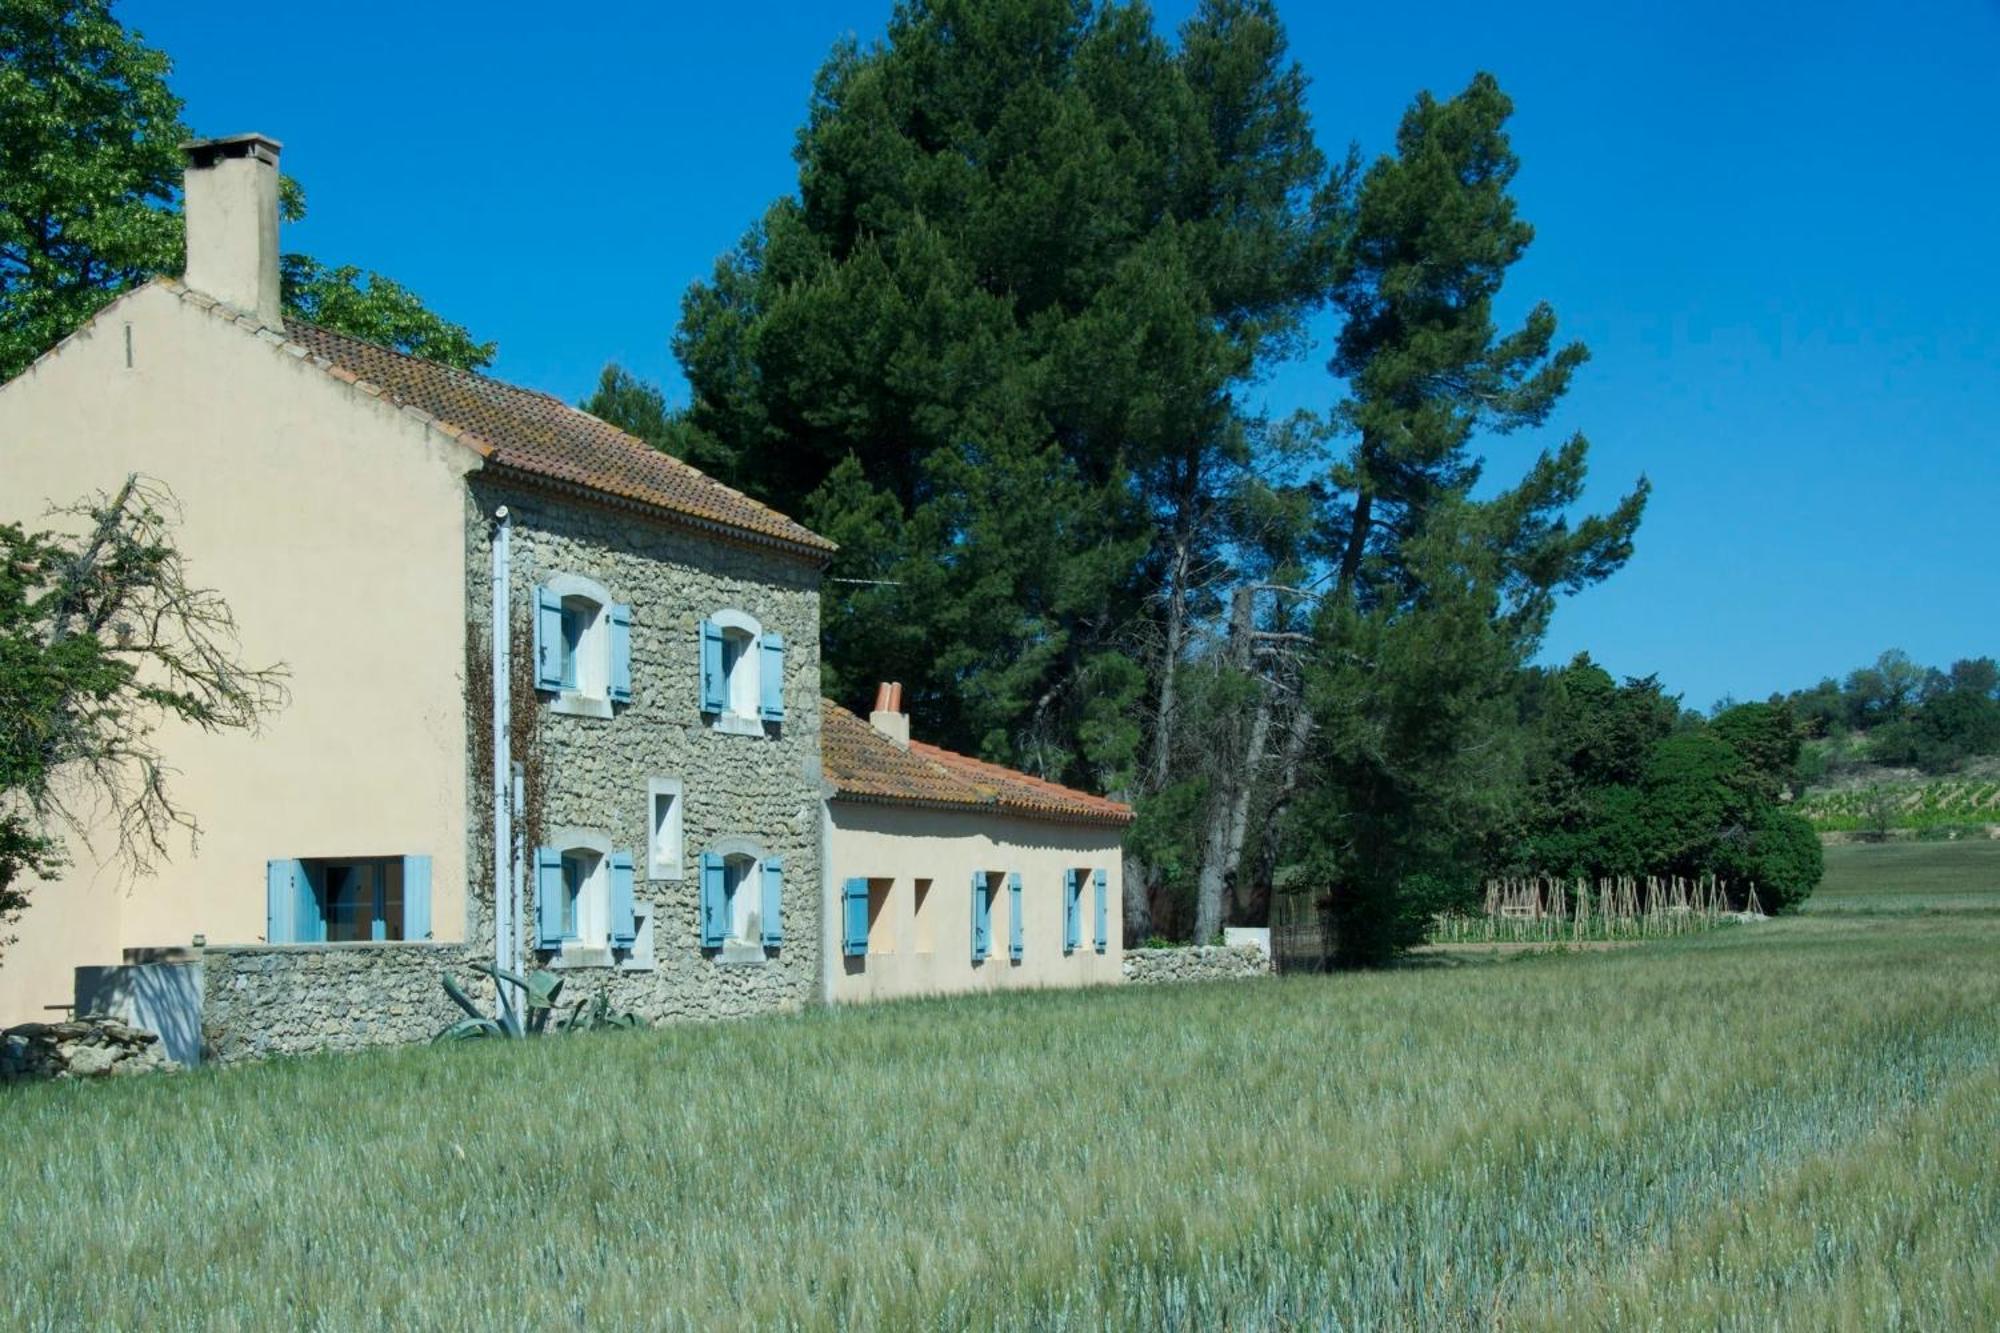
(1873, 800)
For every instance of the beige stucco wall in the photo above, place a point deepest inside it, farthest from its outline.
(903, 844)
(333, 525)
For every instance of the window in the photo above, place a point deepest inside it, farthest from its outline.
(742, 901)
(579, 617)
(584, 906)
(1072, 909)
(583, 898)
(742, 673)
(665, 848)
(347, 900)
(881, 916)
(922, 917)
(583, 646)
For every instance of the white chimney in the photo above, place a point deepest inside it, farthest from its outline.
(889, 717)
(230, 199)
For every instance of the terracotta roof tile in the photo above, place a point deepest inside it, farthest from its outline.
(863, 764)
(541, 435)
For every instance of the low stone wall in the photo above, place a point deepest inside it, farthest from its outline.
(277, 999)
(79, 1048)
(1205, 963)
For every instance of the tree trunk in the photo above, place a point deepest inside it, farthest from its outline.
(1231, 779)
(1170, 662)
(1287, 787)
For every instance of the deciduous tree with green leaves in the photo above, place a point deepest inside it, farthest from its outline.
(90, 170)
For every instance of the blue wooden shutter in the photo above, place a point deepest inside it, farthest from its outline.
(548, 898)
(714, 902)
(621, 652)
(714, 689)
(771, 678)
(1103, 922)
(548, 640)
(282, 891)
(1072, 909)
(624, 917)
(771, 911)
(416, 897)
(854, 917)
(1014, 915)
(982, 916)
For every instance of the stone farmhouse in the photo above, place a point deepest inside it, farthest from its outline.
(555, 702)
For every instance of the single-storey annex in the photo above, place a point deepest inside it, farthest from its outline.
(949, 874)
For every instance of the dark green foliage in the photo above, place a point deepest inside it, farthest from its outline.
(1901, 714)
(1441, 599)
(640, 409)
(90, 170)
(1620, 785)
(991, 347)
(1767, 737)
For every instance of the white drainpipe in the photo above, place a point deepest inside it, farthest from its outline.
(504, 930)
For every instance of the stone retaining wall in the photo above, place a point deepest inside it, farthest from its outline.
(1205, 963)
(287, 999)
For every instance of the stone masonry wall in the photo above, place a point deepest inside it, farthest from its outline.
(1207, 963)
(591, 773)
(287, 999)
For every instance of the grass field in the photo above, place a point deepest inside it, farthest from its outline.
(1787, 1125)
(1902, 877)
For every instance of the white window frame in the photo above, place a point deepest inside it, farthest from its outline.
(743, 902)
(742, 681)
(666, 847)
(591, 695)
(591, 945)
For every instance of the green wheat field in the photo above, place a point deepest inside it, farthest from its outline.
(1784, 1125)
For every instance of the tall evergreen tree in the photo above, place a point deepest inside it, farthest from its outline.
(1440, 598)
(993, 346)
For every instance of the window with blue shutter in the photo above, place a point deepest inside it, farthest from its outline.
(1014, 915)
(714, 901)
(549, 627)
(624, 915)
(771, 678)
(1072, 909)
(854, 918)
(619, 617)
(714, 684)
(551, 897)
(287, 897)
(1103, 922)
(982, 916)
(771, 911)
(416, 897)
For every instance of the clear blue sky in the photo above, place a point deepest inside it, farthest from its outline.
(1777, 227)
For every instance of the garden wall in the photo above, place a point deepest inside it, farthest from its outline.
(1205, 963)
(287, 999)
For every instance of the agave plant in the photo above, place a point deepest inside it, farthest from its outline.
(538, 993)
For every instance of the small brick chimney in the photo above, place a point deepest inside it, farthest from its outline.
(230, 198)
(889, 717)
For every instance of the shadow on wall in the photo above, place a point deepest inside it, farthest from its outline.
(162, 998)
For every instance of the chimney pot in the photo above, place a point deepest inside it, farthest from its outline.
(230, 199)
(889, 717)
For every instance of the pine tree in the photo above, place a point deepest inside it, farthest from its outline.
(1440, 598)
